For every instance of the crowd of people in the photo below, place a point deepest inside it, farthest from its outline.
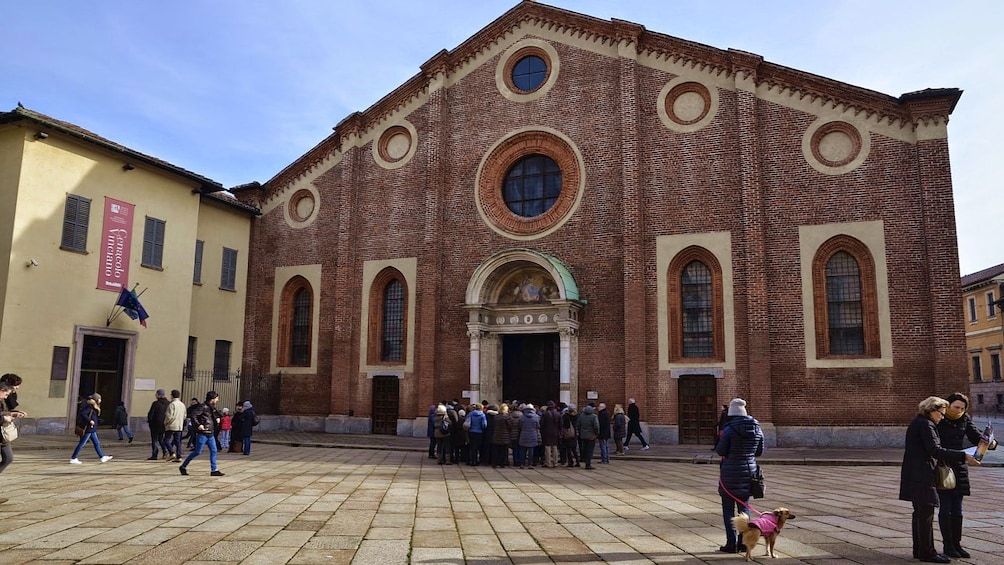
(523, 435)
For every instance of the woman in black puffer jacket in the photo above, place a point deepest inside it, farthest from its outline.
(953, 429)
(741, 443)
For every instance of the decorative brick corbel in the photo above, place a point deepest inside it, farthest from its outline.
(931, 104)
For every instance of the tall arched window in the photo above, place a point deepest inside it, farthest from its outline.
(392, 332)
(388, 318)
(845, 300)
(296, 324)
(696, 310)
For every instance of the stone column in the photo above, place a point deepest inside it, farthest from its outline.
(475, 374)
(565, 336)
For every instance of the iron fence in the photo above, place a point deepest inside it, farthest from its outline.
(263, 390)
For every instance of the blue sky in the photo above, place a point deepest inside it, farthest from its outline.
(235, 90)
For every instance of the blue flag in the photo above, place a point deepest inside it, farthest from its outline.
(131, 306)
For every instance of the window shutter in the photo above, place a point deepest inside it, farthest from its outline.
(197, 277)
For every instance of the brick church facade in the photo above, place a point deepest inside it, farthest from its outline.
(570, 208)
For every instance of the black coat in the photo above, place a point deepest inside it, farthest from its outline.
(741, 443)
(155, 417)
(952, 434)
(604, 417)
(237, 428)
(634, 419)
(923, 449)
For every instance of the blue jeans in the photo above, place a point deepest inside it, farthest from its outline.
(200, 441)
(604, 450)
(247, 445)
(172, 439)
(729, 512)
(93, 436)
(121, 429)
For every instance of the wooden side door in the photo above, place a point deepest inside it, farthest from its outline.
(386, 400)
(697, 409)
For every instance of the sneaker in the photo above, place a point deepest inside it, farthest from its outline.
(177, 460)
(216, 474)
(626, 448)
(183, 470)
(130, 440)
(106, 458)
(646, 448)
(74, 461)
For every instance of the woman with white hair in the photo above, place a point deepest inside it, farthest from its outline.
(918, 480)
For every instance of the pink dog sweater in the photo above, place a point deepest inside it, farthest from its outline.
(766, 523)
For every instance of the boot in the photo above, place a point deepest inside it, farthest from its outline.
(957, 537)
(945, 522)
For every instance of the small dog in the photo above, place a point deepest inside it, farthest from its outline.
(768, 525)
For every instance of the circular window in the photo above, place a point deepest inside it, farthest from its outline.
(395, 143)
(530, 183)
(527, 70)
(532, 186)
(835, 147)
(529, 73)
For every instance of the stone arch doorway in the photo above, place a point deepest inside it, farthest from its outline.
(521, 302)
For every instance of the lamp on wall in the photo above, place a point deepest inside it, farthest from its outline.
(41, 135)
(128, 167)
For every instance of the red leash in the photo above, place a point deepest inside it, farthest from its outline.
(721, 484)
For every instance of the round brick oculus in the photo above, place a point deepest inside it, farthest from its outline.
(500, 161)
(301, 206)
(394, 144)
(836, 144)
(522, 71)
(688, 103)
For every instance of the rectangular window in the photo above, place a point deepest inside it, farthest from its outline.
(979, 399)
(991, 309)
(977, 372)
(76, 217)
(197, 277)
(193, 343)
(221, 361)
(972, 309)
(153, 243)
(228, 273)
(1000, 399)
(995, 366)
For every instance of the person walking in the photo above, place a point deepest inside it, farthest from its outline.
(604, 438)
(7, 418)
(155, 421)
(14, 381)
(174, 423)
(918, 480)
(634, 426)
(248, 423)
(741, 443)
(589, 431)
(87, 420)
(204, 420)
(122, 422)
(619, 429)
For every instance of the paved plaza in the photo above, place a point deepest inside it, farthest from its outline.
(304, 504)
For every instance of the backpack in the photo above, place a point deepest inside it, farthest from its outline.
(445, 426)
(256, 420)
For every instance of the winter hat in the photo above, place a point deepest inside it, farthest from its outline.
(247, 404)
(528, 407)
(737, 407)
(441, 409)
(96, 397)
(226, 410)
(160, 392)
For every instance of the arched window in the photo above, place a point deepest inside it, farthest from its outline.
(845, 300)
(296, 324)
(388, 318)
(392, 331)
(696, 310)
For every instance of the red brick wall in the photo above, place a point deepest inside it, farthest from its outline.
(743, 173)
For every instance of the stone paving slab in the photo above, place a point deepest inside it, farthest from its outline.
(305, 505)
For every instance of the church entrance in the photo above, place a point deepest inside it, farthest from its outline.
(698, 409)
(531, 367)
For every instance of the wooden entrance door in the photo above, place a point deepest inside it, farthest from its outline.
(697, 409)
(385, 405)
(530, 367)
(102, 365)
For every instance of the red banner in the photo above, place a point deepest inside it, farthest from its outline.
(116, 237)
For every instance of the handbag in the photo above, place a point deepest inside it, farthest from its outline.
(758, 488)
(9, 432)
(79, 431)
(569, 432)
(945, 476)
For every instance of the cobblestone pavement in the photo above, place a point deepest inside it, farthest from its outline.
(288, 504)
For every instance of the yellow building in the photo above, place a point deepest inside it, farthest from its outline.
(981, 293)
(81, 217)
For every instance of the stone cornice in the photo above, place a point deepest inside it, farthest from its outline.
(796, 89)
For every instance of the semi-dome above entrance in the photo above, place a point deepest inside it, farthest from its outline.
(521, 276)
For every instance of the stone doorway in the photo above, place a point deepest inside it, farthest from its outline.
(531, 367)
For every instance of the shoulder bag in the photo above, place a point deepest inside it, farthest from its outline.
(945, 476)
(758, 488)
(9, 432)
